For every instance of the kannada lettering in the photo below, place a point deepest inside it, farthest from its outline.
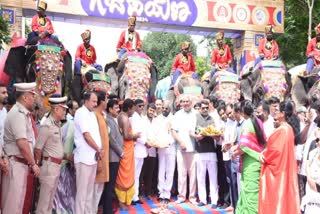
(179, 12)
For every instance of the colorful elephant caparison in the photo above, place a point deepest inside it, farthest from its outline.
(134, 77)
(266, 79)
(47, 63)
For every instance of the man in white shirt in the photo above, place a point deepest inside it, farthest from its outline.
(262, 113)
(88, 149)
(138, 124)
(150, 161)
(72, 108)
(228, 141)
(159, 105)
(183, 122)
(166, 154)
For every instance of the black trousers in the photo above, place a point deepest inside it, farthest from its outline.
(224, 196)
(232, 180)
(109, 188)
(147, 174)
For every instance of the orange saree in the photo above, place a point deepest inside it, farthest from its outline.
(279, 192)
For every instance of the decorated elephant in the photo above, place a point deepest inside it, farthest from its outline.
(46, 63)
(89, 79)
(224, 85)
(268, 78)
(185, 84)
(304, 88)
(136, 74)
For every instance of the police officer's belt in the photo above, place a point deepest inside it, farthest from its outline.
(53, 160)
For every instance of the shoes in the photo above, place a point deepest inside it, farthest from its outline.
(214, 206)
(200, 204)
(179, 201)
(223, 206)
(136, 202)
(148, 197)
(193, 201)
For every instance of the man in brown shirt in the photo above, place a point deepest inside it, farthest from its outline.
(19, 136)
(49, 146)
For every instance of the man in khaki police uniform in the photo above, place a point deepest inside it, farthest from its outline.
(49, 146)
(19, 136)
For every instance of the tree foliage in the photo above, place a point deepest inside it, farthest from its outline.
(293, 42)
(4, 30)
(162, 48)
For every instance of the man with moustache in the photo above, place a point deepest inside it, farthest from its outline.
(49, 148)
(88, 150)
(129, 39)
(167, 152)
(19, 137)
(183, 122)
(86, 54)
(116, 153)
(268, 47)
(262, 113)
(206, 157)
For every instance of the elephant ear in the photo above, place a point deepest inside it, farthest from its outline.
(16, 63)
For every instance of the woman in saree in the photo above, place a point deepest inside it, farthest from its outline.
(252, 142)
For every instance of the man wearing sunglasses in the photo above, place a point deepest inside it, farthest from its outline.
(207, 157)
(184, 63)
(86, 54)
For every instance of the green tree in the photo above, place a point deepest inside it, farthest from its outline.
(293, 42)
(202, 66)
(162, 48)
(4, 30)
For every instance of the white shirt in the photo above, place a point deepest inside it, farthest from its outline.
(230, 136)
(218, 123)
(161, 127)
(3, 115)
(85, 121)
(268, 127)
(138, 123)
(152, 152)
(183, 123)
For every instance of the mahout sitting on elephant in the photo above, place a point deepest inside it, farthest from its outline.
(46, 63)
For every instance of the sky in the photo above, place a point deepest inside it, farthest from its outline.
(103, 39)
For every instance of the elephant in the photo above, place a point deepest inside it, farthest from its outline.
(46, 63)
(304, 88)
(266, 79)
(135, 76)
(185, 84)
(89, 79)
(224, 85)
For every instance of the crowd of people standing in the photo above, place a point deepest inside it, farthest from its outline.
(107, 152)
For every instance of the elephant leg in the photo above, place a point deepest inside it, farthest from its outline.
(76, 88)
(171, 98)
(114, 80)
(298, 93)
(246, 89)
